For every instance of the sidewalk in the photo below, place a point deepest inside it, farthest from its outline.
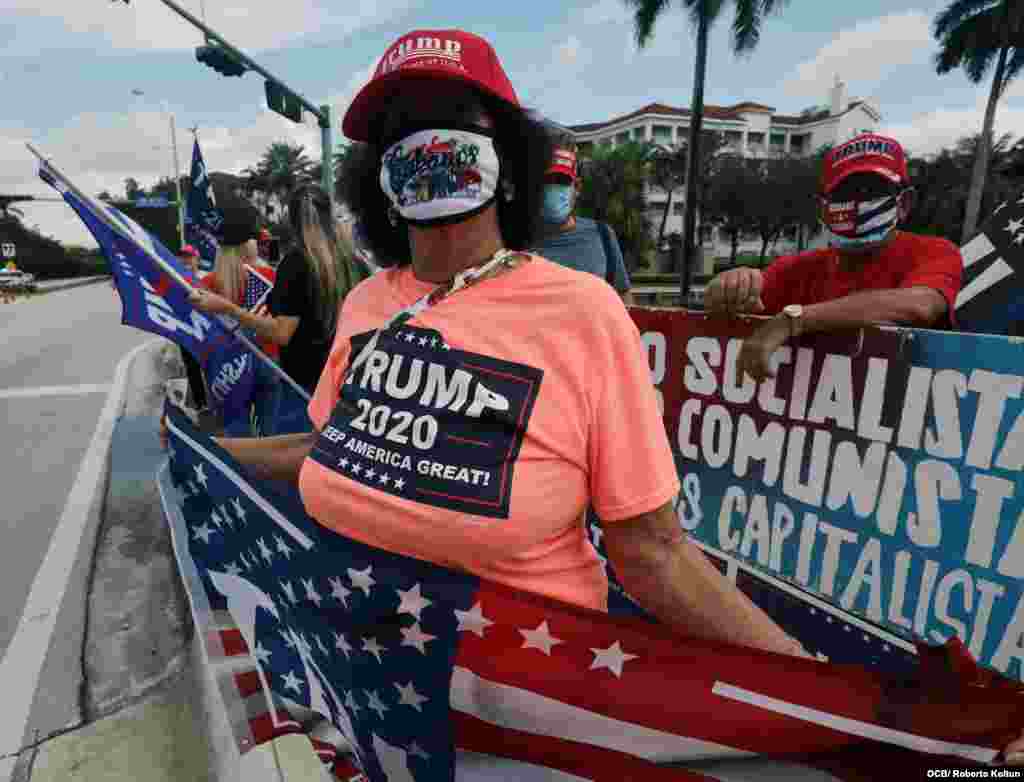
(148, 709)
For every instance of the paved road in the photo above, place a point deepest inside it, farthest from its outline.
(57, 358)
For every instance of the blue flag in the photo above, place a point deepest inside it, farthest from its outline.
(152, 302)
(203, 220)
(400, 670)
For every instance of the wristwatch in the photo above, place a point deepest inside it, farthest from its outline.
(794, 312)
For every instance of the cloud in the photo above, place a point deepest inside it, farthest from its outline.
(150, 25)
(867, 51)
(605, 11)
(931, 131)
(99, 151)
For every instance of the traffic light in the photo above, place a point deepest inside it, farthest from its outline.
(282, 101)
(220, 60)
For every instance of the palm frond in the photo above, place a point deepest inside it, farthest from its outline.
(1014, 64)
(972, 44)
(747, 23)
(646, 14)
(710, 9)
(957, 12)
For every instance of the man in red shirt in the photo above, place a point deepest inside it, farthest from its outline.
(870, 273)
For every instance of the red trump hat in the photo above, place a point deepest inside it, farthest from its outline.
(867, 153)
(563, 162)
(452, 55)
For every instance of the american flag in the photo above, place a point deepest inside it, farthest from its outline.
(991, 298)
(402, 670)
(258, 284)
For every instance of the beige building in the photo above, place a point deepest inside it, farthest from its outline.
(749, 128)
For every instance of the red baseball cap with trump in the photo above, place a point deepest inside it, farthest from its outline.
(453, 55)
(190, 251)
(867, 153)
(563, 162)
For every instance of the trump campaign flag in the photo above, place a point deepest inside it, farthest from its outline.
(154, 288)
(203, 220)
(401, 670)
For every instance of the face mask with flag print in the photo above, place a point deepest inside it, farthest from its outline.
(440, 176)
(852, 225)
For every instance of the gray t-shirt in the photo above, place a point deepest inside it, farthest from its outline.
(583, 250)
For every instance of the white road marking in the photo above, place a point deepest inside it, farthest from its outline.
(23, 661)
(33, 393)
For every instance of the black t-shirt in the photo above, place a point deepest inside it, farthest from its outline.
(294, 295)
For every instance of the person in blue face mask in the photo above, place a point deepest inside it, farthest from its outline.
(577, 242)
(871, 272)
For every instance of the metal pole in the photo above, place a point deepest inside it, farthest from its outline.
(246, 60)
(177, 182)
(328, 158)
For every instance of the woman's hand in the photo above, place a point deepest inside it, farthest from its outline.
(207, 301)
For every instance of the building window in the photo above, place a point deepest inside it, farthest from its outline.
(734, 139)
(755, 139)
(639, 133)
(677, 209)
(622, 138)
(663, 133)
(796, 143)
(778, 139)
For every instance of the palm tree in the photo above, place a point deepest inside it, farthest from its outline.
(746, 32)
(612, 191)
(281, 169)
(972, 34)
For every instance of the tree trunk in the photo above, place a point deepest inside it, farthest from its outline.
(981, 156)
(764, 248)
(664, 220)
(693, 155)
(735, 246)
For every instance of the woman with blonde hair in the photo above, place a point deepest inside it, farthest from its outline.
(227, 283)
(301, 314)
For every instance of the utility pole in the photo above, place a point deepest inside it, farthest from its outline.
(228, 60)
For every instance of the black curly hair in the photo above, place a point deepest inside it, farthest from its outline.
(524, 147)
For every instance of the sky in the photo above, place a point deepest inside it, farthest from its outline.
(69, 70)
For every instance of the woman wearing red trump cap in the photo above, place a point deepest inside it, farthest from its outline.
(870, 273)
(478, 397)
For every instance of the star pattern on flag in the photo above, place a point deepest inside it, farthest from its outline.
(338, 590)
(370, 646)
(1014, 226)
(612, 658)
(540, 639)
(409, 697)
(362, 579)
(416, 638)
(412, 602)
(473, 620)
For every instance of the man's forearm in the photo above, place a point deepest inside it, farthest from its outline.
(279, 458)
(917, 306)
(685, 591)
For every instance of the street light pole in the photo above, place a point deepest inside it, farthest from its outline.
(177, 183)
(322, 113)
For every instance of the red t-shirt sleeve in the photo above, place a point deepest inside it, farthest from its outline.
(936, 264)
(783, 282)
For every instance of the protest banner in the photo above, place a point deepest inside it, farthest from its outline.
(880, 470)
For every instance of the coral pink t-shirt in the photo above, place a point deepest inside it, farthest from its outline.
(483, 427)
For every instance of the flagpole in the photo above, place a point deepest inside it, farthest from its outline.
(170, 271)
(177, 182)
